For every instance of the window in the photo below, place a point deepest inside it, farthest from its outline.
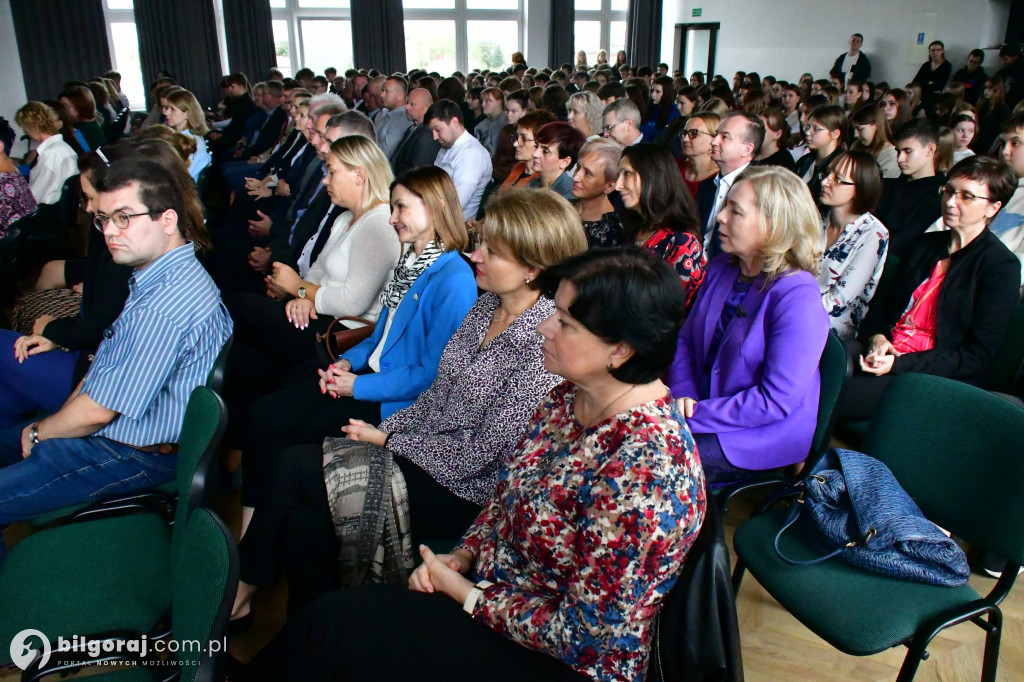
(449, 35)
(311, 33)
(123, 39)
(600, 25)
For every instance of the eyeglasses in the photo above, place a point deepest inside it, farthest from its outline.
(947, 193)
(524, 140)
(834, 179)
(692, 133)
(608, 128)
(121, 219)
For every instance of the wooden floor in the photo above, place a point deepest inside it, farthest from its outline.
(775, 645)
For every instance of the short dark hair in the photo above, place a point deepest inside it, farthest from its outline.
(866, 178)
(444, 110)
(1012, 123)
(568, 139)
(920, 129)
(754, 132)
(520, 96)
(832, 117)
(7, 135)
(304, 73)
(995, 174)
(664, 199)
(451, 89)
(858, 35)
(625, 295)
(980, 54)
(612, 89)
(159, 189)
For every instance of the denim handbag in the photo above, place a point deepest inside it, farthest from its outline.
(865, 517)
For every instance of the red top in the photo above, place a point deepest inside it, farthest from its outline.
(916, 329)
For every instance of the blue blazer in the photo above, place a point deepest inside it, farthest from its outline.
(764, 383)
(425, 320)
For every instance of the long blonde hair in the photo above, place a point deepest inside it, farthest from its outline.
(184, 100)
(789, 221)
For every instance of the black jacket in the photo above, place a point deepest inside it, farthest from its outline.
(861, 70)
(242, 108)
(976, 300)
(908, 208)
(418, 149)
(270, 134)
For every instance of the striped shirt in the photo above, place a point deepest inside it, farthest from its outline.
(162, 346)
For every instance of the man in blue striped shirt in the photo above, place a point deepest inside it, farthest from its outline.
(117, 432)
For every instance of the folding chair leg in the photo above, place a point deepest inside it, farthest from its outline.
(737, 576)
(995, 631)
(917, 651)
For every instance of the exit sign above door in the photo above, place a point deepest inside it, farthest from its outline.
(697, 11)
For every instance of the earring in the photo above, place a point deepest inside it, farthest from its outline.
(528, 280)
(611, 368)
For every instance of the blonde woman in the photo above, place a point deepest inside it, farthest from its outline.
(182, 113)
(273, 340)
(695, 140)
(746, 369)
(56, 160)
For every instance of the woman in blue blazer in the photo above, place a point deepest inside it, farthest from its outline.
(424, 303)
(746, 369)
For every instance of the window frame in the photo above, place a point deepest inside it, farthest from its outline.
(292, 14)
(606, 15)
(462, 15)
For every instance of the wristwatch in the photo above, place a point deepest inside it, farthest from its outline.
(474, 596)
(33, 433)
(302, 292)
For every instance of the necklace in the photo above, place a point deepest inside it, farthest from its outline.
(597, 417)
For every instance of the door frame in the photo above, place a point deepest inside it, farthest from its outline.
(680, 46)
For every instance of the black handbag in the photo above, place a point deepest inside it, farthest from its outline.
(865, 518)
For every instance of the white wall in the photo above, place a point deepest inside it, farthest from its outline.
(785, 39)
(12, 83)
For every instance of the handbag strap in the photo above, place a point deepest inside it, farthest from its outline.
(794, 514)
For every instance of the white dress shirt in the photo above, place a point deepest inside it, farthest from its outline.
(724, 184)
(57, 162)
(469, 165)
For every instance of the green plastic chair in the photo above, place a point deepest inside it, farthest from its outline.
(113, 572)
(957, 451)
(832, 369)
(161, 499)
(204, 583)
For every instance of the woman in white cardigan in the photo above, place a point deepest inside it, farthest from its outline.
(276, 341)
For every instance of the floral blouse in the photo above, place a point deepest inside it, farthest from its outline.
(684, 252)
(850, 271)
(587, 532)
(465, 427)
(16, 200)
(604, 232)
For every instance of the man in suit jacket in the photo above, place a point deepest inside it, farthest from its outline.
(418, 146)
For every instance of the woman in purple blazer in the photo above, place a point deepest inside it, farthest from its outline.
(746, 370)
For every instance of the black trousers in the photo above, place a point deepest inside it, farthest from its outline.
(292, 530)
(862, 392)
(268, 353)
(378, 632)
(296, 415)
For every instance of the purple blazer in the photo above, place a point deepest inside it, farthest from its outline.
(764, 383)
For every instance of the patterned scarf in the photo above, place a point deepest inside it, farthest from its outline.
(408, 269)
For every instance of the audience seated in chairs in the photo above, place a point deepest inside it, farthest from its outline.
(947, 309)
(56, 160)
(16, 199)
(449, 445)
(565, 569)
(746, 369)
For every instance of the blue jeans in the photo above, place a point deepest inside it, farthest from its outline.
(66, 471)
(41, 382)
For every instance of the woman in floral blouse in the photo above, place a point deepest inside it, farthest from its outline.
(562, 574)
(856, 243)
(661, 217)
(452, 442)
(16, 200)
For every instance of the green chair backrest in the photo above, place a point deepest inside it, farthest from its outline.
(958, 451)
(201, 431)
(203, 591)
(832, 368)
(1008, 364)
